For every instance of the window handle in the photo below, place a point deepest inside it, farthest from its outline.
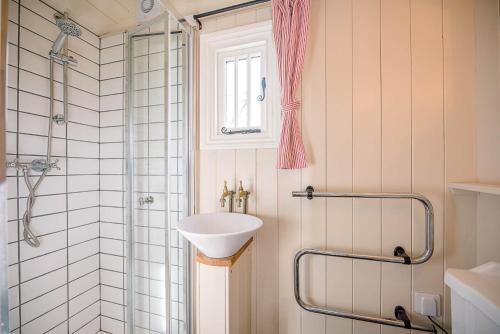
(263, 86)
(226, 131)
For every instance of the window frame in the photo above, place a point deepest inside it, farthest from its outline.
(213, 47)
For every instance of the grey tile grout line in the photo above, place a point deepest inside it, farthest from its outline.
(148, 183)
(52, 233)
(69, 122)
(99, 199)
(57, 288)
(17, 172)
(47, 58)
(62, 304)
(57, 81)
(124, 179)
(48, 273)
(59, 212)
(67, 216)
(67, 219)
(24, 134)
(56, 100)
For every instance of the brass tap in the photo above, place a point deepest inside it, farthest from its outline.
(226, 193)
(242, 196)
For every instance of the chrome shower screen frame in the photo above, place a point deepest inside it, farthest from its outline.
(187, 76)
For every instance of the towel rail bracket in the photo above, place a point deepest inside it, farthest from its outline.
(400, 314)
(400, 251)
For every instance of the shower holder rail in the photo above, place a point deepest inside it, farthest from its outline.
(402, 320)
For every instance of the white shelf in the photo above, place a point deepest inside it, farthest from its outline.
(476, 187)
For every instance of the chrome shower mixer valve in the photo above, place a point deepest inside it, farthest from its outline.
(38, 165)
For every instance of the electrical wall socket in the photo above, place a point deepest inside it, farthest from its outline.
(427, 304)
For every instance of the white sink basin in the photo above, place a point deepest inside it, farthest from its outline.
(219, 234)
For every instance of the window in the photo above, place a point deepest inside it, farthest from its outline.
(239, 99)
(242, 87)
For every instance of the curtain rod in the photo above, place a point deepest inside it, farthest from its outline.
(197, 17)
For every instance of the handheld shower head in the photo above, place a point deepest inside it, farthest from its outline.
(67, 28)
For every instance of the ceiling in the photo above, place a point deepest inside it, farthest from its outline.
(189, 7)
(108, 16)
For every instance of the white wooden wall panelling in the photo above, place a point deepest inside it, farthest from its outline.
(314, 134)
(366, 159)
(226, 159)
(381, 104)
(246, 172)
(266, 250)
(339, 158)
(289, 213)
(208, 191)
(428, 137)
(266, 247)
(208, 181)
(396, 152)
(460, 128)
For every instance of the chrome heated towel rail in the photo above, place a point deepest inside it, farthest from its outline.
(401, 317)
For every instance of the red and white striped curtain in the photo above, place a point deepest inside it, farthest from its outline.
(290, 27)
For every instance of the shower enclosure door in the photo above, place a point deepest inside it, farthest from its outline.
(158, 277)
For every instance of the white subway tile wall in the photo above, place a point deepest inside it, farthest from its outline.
(54, 288)
(112, 185)
(75, 282)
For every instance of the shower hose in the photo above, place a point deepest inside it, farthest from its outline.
(30, 237)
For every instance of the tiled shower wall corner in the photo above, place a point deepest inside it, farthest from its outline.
(112, 184)
(53, 288)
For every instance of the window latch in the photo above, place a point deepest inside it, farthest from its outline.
(261, 97)
(225, 131)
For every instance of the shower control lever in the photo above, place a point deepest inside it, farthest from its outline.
(59, 119)
(146, 200)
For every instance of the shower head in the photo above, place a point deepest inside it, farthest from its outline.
(68, 28)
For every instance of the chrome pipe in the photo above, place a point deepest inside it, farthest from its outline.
(59, 42)
(65, 92)
(65, 80)
(400, 257)
(429, 222)
(337, 313)
(29, 236)
(51, 109)
(67, 28)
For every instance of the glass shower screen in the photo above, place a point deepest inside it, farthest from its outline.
(158, 277)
